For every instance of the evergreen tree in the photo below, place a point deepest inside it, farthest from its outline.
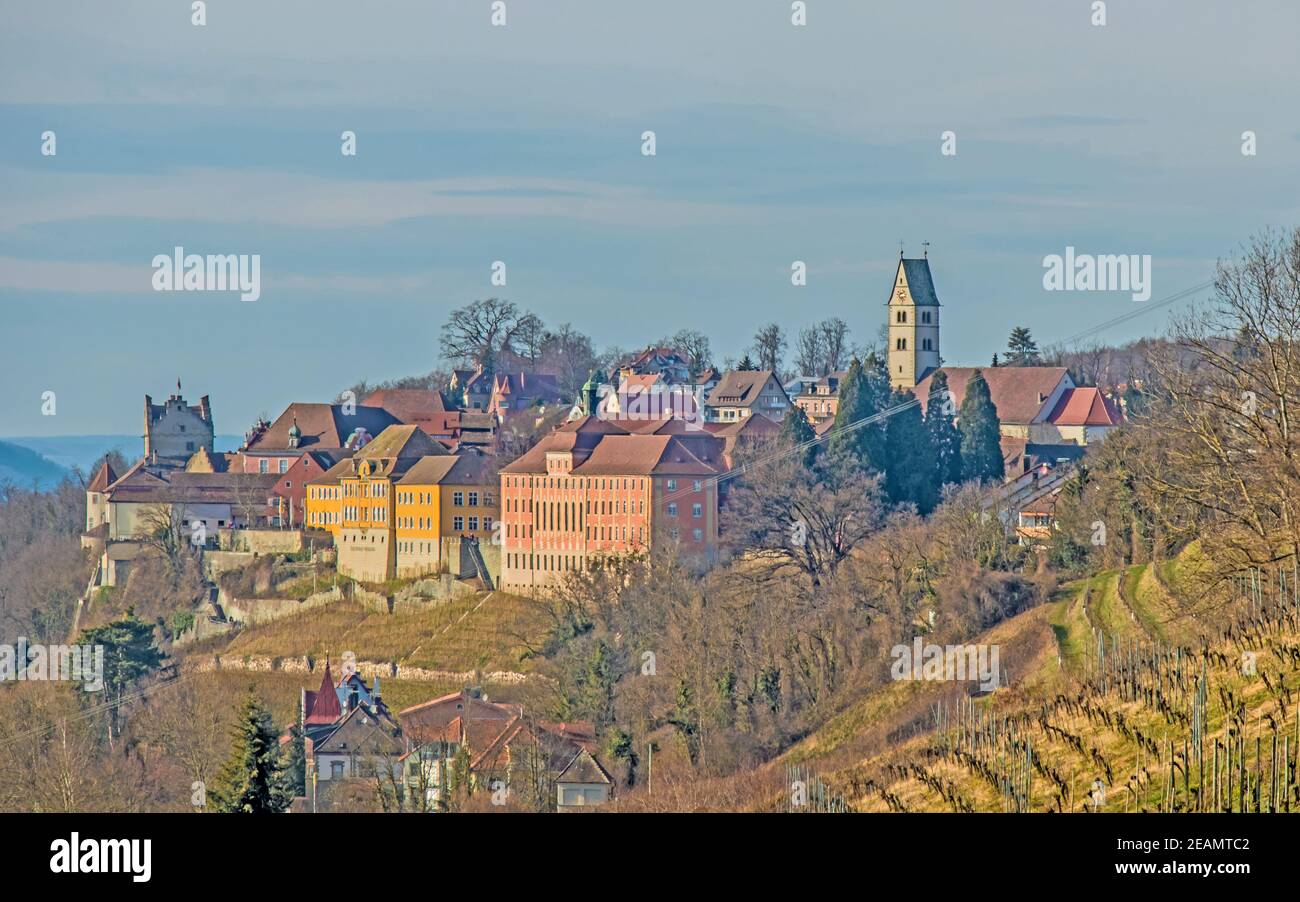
(129, 654)
(1022, 350)
(945, 439)
(296, 773)
(795, 431)
(252, 780)
(746, 365)
(909, 458)
(981, 452)
(864, 391)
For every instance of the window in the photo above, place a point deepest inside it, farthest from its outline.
(189, 446)
(697, 511)
(458, 498)
(925, 344)
(473, 524)
(697, 534)
(902, 316)
(284, 466)
(672, 485)
(672, 508)
(901, 344)
(925, 316)
(263, 466)
(473, 499)
(458, 523)
(336, 770)
(696, 485)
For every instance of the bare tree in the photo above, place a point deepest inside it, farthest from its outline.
(488, 331)
(769, 346)
(835, 338)
(810, 352)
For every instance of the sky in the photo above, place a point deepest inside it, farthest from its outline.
(479, 143)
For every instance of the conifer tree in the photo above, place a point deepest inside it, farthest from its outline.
(945, 439)
(796, 431)
(746, 364)
(1022, 350)
(252, 780)
(864, 392)
(129, 654)
(909, 458)
(981, 452)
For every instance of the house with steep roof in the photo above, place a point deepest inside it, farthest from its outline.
(743, 393)
(274, 447)
(502, 747)
(1039, 405)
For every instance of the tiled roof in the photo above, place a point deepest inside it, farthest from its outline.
(1085, 407)
(324, 705)
(739, 388)
(104, 477)
(323, 426)
(613, 452)
(584, 768)
(1018, 392)
(469, 467)
(142, 486)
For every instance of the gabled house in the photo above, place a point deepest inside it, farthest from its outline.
(743, 393)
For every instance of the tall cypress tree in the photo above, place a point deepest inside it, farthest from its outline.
(252, 780)
(864, 391)
(981, 453)
(945, 440)
(795, 431)
(909, 458)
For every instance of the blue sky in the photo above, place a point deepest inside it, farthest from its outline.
(522, 144)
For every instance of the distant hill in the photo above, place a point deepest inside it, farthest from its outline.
(83, 451)
(23, 467)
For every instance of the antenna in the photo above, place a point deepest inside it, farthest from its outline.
(926, 249)
(900, 248)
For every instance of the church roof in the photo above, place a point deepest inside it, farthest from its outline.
(920, 284)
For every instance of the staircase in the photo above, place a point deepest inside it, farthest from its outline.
(480, 565)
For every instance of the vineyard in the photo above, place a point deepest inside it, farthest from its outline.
(1160, 694)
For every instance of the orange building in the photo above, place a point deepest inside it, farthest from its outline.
(395, 504)
(599, 488)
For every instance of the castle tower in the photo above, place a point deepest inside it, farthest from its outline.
(173, 431)
(913, 312)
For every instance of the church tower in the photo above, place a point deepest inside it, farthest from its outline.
(913, 324)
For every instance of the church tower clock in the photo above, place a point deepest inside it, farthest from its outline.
(913, 324)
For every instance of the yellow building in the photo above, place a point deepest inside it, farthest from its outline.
(398, 506)
(442, 498)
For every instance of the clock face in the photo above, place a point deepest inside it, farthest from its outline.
(902, 294)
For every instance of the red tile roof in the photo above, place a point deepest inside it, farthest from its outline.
(1018, 392)
(325, 707)
(103, 478)
(1085, 407)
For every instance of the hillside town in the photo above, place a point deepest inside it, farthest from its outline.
(419, 486)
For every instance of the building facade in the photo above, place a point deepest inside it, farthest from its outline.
(596, 488)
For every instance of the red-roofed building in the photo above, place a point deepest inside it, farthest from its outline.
(597, 488)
